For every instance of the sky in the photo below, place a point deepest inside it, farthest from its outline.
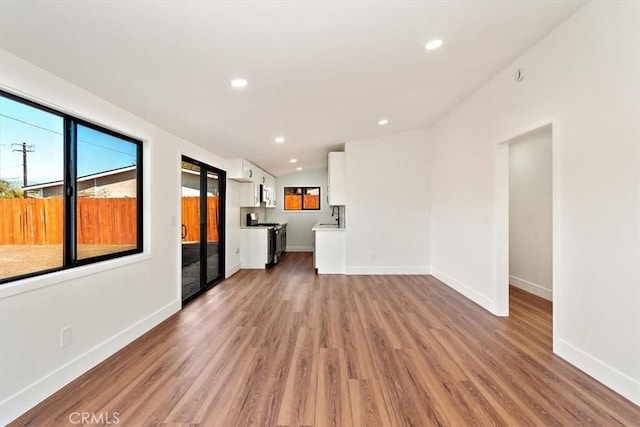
(97, 152)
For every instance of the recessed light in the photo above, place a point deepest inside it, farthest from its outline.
(239, 83)
(433, 44)
(279, 140)
(298, 169)
(293, 160)
(383, 122)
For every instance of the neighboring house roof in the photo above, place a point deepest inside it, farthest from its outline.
(95, 176)
(80, 179)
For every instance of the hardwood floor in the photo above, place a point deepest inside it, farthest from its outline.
(287, 347)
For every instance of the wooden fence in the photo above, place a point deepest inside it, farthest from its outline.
(293, 202)
(108, 221)
(191, 219)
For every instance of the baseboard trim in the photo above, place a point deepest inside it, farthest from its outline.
(607, 375)
(19, 403)
(299, 248)
(531, 287)
(391, 271)
(233, 269)
(475, 296)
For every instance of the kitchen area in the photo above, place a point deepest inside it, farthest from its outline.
(329, 243)
(272, 223)
(262, 243)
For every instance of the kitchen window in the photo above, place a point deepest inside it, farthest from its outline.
(301, 198)
(70, 191)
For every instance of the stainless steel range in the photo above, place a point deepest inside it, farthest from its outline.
(277, 236)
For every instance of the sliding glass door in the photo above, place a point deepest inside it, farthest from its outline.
(203, 189)
(213, 266)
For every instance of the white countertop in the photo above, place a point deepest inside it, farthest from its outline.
(325, 226)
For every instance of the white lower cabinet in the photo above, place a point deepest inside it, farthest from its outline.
(329, 251)
(254, 247)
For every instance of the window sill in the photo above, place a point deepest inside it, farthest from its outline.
(33, 283)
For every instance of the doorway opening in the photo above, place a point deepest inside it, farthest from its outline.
(202, 228)
(531, 213)
(526, 220)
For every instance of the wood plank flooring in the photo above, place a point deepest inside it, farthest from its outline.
(285, 347)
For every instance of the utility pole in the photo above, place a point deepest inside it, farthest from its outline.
(24, 148)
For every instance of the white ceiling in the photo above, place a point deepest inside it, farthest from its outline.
(320, 72)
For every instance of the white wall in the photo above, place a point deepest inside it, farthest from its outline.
(232, 227)
(530, 207)
(585, 77)
(262, 213)
(387, 184)
(107, 304)
(299, 224)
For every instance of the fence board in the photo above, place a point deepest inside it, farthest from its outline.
(294, 202)
(101, 221)
(108, 221)
(311, 201)
(191, 218)
(31, 221)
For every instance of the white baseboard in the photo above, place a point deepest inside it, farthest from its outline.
(366, 271)
(233, 269)
(19, 403)
(475, 296)
(531, 287)
(607, 375)
(299, 248)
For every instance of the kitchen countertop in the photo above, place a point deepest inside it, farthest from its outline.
(259, 227)
(325, 226)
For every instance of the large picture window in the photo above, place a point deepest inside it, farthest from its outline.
(301, 198)
(70, 191)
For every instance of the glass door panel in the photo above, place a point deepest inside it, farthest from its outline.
(191, 230)
(31, 183)
(213, 270)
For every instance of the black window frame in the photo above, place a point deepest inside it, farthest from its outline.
(69, 234)
(304, 189)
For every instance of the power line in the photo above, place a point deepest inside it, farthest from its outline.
(30, 124)
(106, 148)
(60, 133)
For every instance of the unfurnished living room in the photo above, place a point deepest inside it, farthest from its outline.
(319, 213)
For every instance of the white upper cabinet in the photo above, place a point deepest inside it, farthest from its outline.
(244, 170)
(261, 177)
(252, 178)
(271, 187)
(336, 183)
(249, 195)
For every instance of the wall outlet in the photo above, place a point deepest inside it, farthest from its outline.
(173, 220)
(372, 257)
(66, 337)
